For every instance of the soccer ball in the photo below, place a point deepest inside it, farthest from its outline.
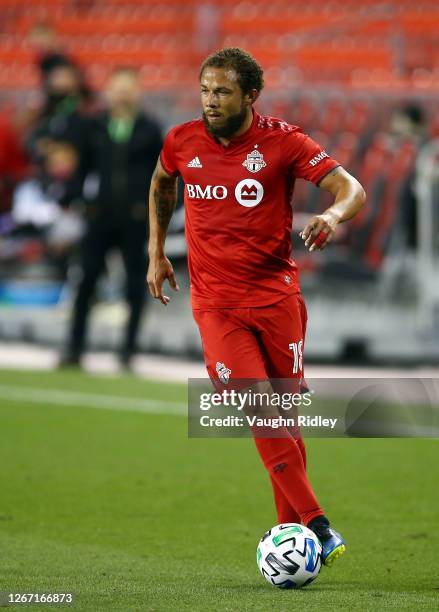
(289, 556)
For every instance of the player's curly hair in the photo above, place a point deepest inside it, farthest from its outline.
(250, 73)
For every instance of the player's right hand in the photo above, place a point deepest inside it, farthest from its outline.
(160, 269)
(319, 231)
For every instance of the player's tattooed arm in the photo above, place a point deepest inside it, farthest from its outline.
(349, 198)
(162, 200)
(165, 196)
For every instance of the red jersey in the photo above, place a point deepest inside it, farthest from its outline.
(238, 208)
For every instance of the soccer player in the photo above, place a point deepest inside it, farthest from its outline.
(239, 170)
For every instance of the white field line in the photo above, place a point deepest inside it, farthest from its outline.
(35, 395)
(59, 397)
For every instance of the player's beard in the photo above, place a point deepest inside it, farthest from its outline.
(230, 127)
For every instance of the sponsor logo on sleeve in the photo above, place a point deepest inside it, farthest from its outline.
(318, 158)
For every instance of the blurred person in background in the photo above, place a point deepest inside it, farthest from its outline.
(49, 54)
(43, 205)
(61, 116)
(409, 123)
(66, 96)
(55, 141)
(47, 46)
(121, 150)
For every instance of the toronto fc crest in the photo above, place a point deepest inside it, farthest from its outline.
(223, 372)
(255, 161)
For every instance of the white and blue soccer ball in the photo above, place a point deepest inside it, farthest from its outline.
(289, 556)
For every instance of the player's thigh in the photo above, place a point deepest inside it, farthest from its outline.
(230, 348)
(282, 337)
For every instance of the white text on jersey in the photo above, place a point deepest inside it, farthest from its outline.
(209, 192)
(318, 158)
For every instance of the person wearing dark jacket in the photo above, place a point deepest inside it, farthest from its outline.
(122, 147)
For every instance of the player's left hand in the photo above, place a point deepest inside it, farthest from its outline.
(319, 232)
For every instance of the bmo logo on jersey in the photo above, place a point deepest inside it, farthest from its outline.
(249, 192)
(209, 192)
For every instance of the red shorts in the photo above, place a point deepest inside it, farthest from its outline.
(254, 343)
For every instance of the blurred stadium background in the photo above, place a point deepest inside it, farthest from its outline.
(361, 77)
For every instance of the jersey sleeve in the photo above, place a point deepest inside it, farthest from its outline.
(167, 155)
(309, 160)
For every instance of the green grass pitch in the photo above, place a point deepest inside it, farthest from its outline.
(121, 508)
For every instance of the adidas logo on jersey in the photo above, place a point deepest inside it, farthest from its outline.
(195, 163)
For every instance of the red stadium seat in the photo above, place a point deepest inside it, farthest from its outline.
(87, 25)
(420, 23)
(309, 57)
(277, 24)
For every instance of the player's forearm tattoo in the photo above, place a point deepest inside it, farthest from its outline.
(165, 195)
